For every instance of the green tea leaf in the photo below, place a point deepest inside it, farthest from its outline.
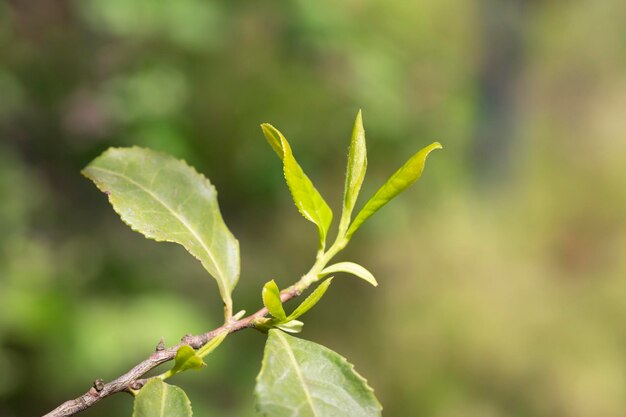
(158, 399)
(271, 300)
(351, 268)
(166, 200)
(293, 326)
(410, 172)
(355, 173)
(273, 137)
(306, 197)
(212, 344)
(311, 300)
(299, 378)
(186, 358)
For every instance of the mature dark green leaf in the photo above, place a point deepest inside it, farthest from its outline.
(351, 268)
(299, 378)
(271, 300)
(166, 200)
(306, 197)
(410, 172)
(158, 399)
(311, 300)
(355, 173)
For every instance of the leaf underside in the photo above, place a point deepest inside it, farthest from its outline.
(158, 399)
(351, 268)
(165, 199)
(299, 378)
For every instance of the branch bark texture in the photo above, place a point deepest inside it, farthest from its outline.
(132, 380)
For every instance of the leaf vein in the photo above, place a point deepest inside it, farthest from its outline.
(293, 360)
(182, 219)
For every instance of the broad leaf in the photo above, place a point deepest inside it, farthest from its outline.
(271, 300)
(158, 399)
(166, 200)
(306, 197)
(355, 173)
(410, 172)
(299, 378)
(351, 268)
(311, 300)
(186, 358)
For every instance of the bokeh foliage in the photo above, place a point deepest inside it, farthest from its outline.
(501, 275)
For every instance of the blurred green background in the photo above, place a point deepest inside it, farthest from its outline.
(502, 272)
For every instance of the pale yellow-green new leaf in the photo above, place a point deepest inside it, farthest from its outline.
(212, 344)
(306, 197)
(166, 200)
(158, 399)
(311, 300)
(355, 172)
(410, 172)
(272, 301)
(351, 268)
(186, 358)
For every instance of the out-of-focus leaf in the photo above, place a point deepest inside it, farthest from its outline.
(355, 173)
(158, 399)
(351, 268)
(410, 172)
(271, 300)
(311, 300)
(293, 326)
(299, 378)
(306, 197)
(166, 200)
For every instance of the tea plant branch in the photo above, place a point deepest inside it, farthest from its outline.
(132, 380)
(167, 200)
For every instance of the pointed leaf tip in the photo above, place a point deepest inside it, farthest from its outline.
(307, 199)
(409, 173)
(273, 137)
(212, 344)
(355, 171)
(311, 300)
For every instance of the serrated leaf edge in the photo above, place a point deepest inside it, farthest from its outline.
(341, 357)
(111, 198)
